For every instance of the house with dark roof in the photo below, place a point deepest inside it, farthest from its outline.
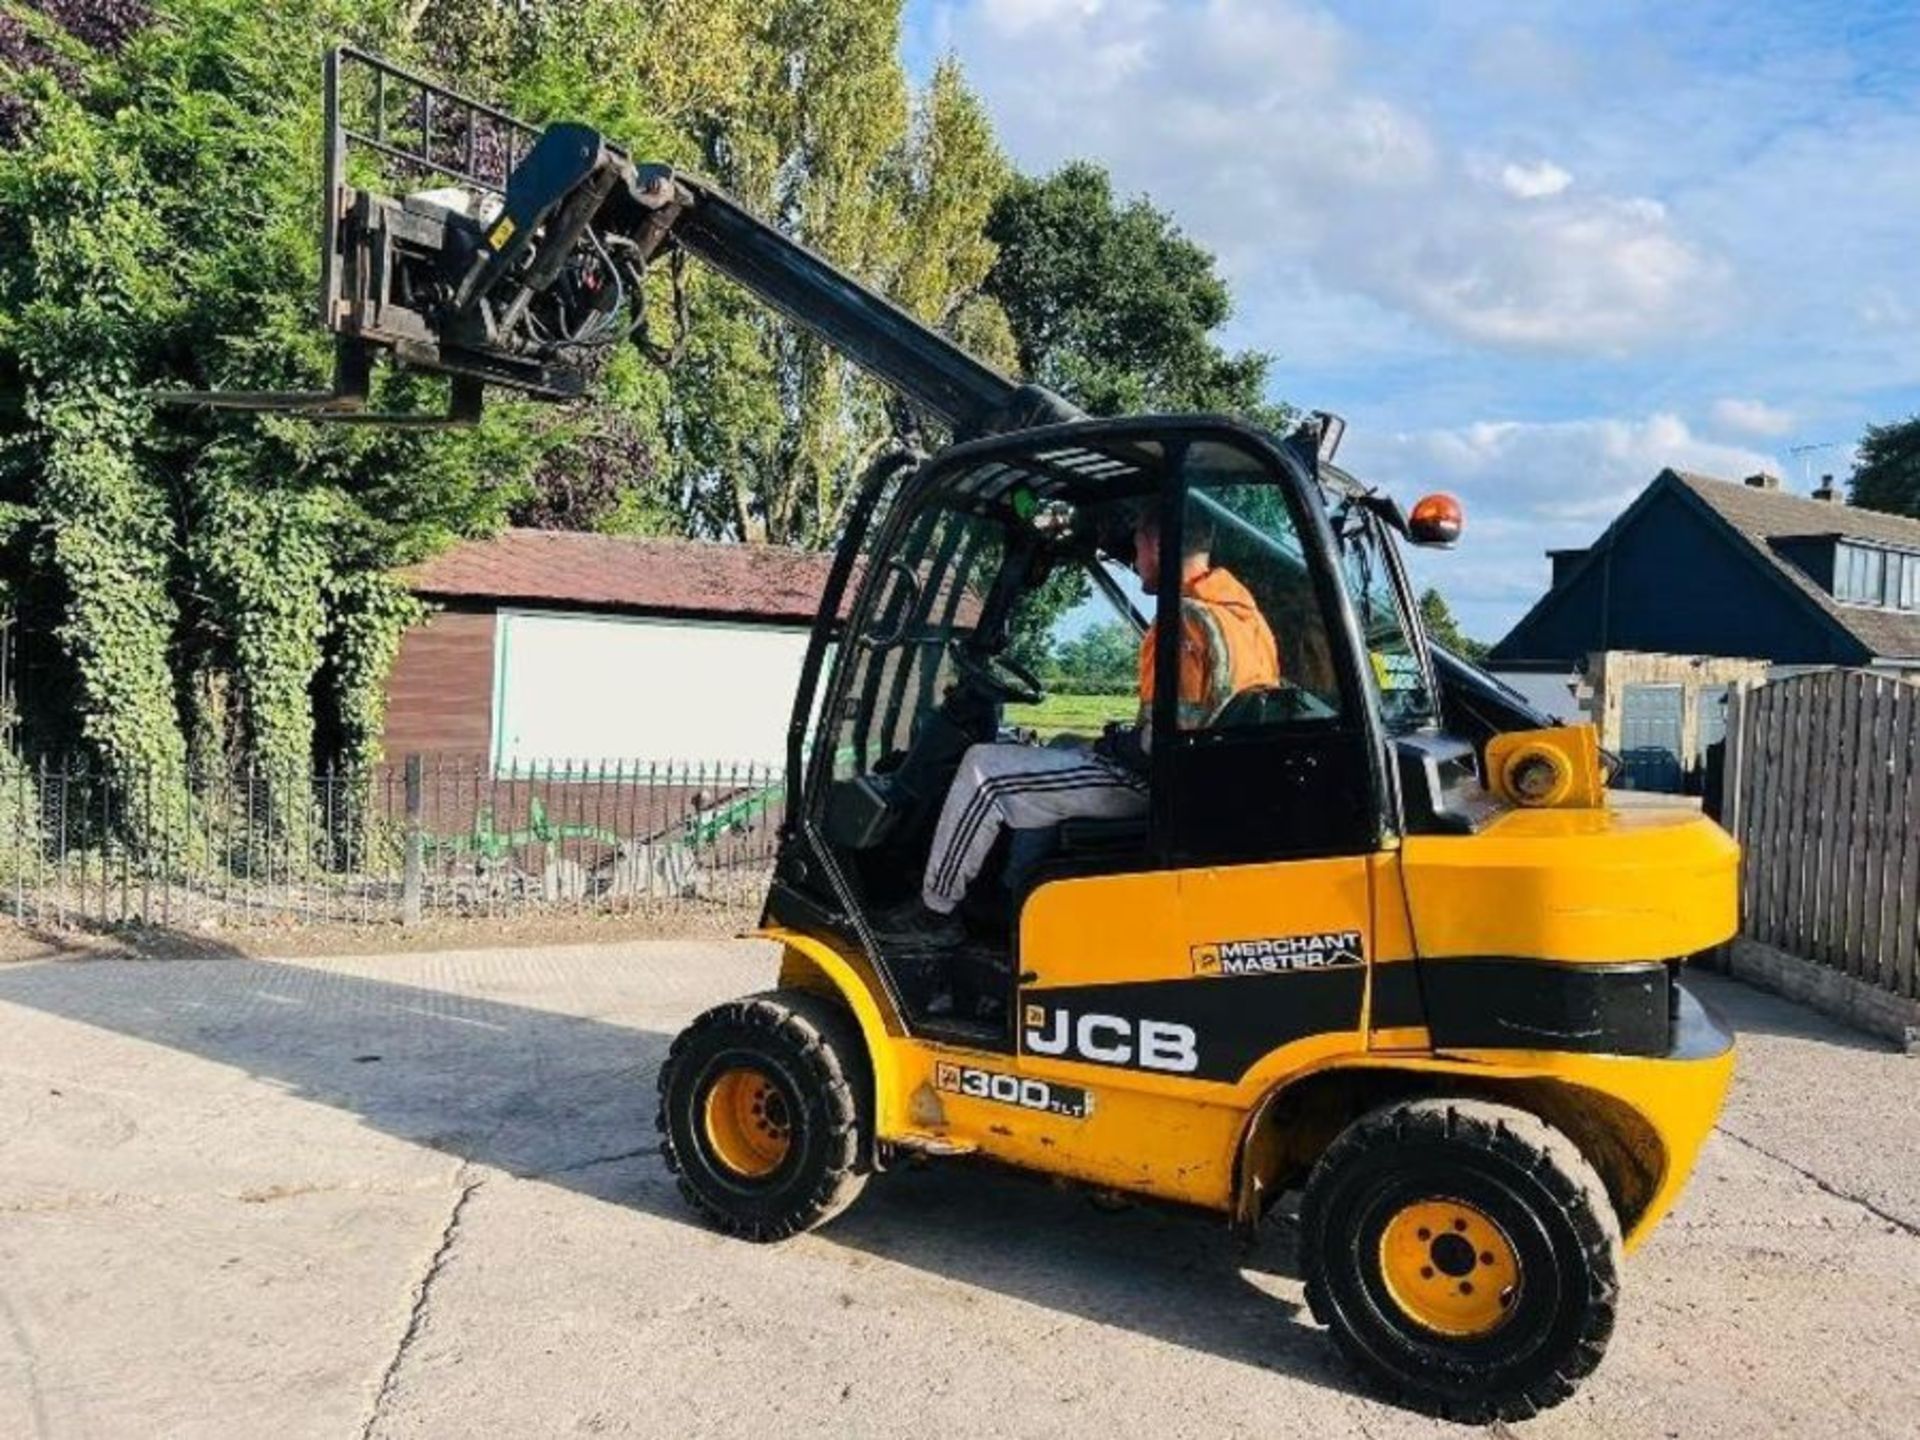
(549, 649)
(1708, 567)
(1647, 626)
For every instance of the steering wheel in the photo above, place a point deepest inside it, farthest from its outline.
(1000, 677)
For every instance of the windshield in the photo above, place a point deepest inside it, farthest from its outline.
(1399, 668)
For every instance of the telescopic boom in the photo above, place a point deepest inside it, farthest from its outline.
(533, 259)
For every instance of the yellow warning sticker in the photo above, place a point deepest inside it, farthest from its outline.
(501, 233)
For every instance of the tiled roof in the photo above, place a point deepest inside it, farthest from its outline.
(1764, 515)
(618, 572)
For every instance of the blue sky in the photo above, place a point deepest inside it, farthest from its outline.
(1532, 251)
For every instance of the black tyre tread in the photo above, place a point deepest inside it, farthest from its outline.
(834, 1053)
(1526, 1139)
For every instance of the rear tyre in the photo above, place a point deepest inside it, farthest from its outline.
(1465, 1256)
(764, 1114)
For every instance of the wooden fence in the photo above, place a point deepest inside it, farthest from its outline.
(1822, 793)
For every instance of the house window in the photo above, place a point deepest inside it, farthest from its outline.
(1868, 576)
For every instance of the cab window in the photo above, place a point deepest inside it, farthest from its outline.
(932, 590)
(1251, 620)
(1396, 664)
(1084, 649)
(1282, 769)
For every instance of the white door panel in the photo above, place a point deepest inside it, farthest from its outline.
(599, 689)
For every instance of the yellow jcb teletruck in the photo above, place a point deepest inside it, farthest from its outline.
(1371, 931)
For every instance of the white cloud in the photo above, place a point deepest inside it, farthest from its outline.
(1533, 182)
(1253, 121)
(1751, 417)
(1530, 487)
(1565, 462)
(1595, 275)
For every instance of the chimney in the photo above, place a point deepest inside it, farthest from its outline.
(1763, 481)
(1827, 493)
(1564, 562)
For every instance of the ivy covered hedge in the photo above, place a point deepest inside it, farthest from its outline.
(192, 587)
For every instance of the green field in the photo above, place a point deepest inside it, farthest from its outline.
(1072, 714)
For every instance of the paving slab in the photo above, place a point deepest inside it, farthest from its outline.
(419, 1195)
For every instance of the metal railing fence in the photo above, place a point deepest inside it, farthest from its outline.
(427, 836)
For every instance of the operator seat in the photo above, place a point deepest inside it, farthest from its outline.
(1086, 844)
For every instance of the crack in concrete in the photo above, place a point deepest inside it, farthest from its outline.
(299, 1190)
(68, 1204)
(577, 1166)
(1906, 1227)
(30, 1362)
(417, 1316)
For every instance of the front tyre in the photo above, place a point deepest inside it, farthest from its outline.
(1465, 1256)
(763, 1114)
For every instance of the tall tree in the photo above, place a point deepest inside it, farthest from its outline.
(952, 175)
(1886, 472)
(1441, 627)
(1113, 306)
(824, 139)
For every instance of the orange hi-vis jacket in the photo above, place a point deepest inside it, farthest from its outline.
(1225, 647)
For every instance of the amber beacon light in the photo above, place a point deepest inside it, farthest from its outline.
(1437, 519)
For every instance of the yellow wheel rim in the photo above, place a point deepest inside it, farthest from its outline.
(747, 1127)
(1449, 1268)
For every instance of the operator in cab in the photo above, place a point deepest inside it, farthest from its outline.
(1225, 647)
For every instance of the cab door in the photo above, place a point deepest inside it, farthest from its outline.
(1242, 951)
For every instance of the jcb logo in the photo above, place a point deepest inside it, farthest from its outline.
(1112, 1040)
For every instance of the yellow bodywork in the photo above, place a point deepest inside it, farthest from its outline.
(1557, 886)
(1575, 885)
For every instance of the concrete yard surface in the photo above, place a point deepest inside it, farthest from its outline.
(420, 1195)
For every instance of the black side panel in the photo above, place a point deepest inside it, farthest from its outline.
(1261, 795)
(794, 908)
(1396, 996)
(1440, 790)
(1503, 1004)
(1235, 1020)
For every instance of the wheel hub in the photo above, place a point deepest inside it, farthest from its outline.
(747, 1127)
(1450, 1268)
